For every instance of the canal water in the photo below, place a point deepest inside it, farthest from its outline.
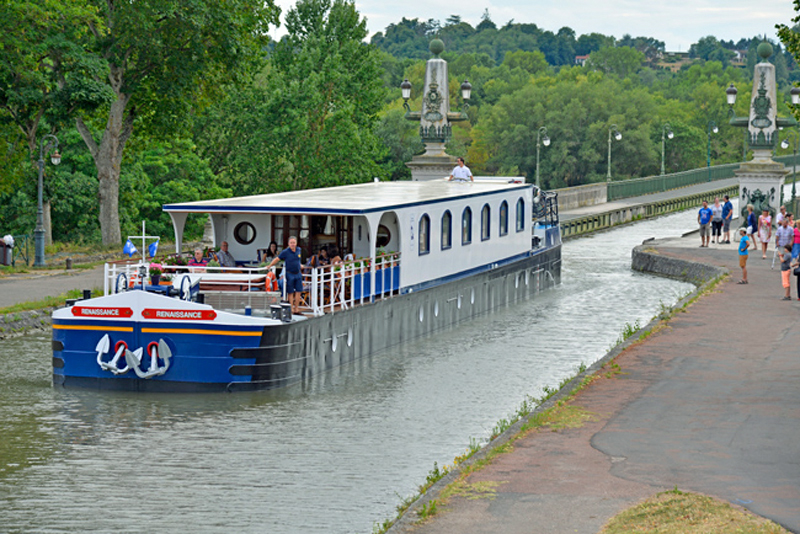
(333, 455)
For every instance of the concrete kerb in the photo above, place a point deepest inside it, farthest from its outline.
(703, 276)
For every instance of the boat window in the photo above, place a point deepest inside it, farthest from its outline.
(520, 215)
(424, 235)
(486, 219)
(504, 218)
(466, 227)
(244, 233)
(447, 230)
(384, 236)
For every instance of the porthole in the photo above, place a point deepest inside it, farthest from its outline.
(350, 337)
(459, 302)
(334, 342)
(436, 309)
(421, 313)
(516, 281)
(244, 233)
(527, 277)
(472, 296)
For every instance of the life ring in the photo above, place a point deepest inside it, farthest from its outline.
(272, 282)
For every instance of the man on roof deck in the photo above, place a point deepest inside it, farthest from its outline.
(461, 172)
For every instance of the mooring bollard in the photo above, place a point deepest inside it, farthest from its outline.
(69, 263)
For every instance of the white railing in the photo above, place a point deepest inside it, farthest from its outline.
(325, 289)
(349, 283)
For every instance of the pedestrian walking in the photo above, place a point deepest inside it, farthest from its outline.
(764, 231)
(751, 224)
(786, 270)
(744, 245)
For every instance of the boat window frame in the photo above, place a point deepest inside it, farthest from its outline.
(246, 225)
(520, 215)
(424, 235)
(466, 226)
(447, 230)
(503, 229)
(486, 222)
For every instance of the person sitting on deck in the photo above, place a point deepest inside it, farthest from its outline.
(319, 259)
(198, 263)
(225, 258)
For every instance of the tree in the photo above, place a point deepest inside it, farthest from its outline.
(151, 63)
(621, 61)
(308, 119)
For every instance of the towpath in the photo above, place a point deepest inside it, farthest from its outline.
(37, 285)
(709, 404)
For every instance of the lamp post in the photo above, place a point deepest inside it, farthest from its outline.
(38, 233)
(546, 142)
(785, 145)
(617, 136)
(712, 128)
(666, 133)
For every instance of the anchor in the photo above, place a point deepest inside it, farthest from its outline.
(119, 349)
(155, 350)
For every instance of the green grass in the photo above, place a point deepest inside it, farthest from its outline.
(49, 302)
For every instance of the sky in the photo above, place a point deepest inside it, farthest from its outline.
(678, 23)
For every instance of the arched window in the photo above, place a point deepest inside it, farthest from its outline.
(486, 219)
(447, 230)
(466, 227)
(424, 235)
(504, 218)
(520, 215)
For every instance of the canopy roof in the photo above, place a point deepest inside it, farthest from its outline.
(352, 199)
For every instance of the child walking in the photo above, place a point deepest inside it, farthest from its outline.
(744, 245)
(786, 270)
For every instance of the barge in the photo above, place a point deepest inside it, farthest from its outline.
(414, 257)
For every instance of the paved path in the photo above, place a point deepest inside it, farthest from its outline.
(566, 215)
(37, 285)
(710, 404)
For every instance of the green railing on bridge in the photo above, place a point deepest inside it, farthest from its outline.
(657, 184)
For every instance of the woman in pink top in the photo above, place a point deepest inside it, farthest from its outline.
(764, 232)
(796, 247)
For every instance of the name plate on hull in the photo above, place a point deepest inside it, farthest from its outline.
(93, 311)
(179, 315)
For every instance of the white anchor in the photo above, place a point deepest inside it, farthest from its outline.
(156, 350)
(133, 359)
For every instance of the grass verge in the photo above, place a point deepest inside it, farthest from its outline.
(48, 302)
(680, 512)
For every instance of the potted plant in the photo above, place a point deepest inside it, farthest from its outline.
(166, 279)
(156, 269)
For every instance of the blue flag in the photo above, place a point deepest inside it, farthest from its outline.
(153, 249)
(129, 248)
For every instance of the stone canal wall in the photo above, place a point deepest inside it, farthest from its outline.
(646, 258)
(627, 214)
(19, 323)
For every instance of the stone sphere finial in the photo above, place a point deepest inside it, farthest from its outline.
(436, 47)
(764, 50)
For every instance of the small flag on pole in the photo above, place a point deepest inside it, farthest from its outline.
(153, 249)
(129, 249)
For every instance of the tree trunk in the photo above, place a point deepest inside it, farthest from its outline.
(108, 158)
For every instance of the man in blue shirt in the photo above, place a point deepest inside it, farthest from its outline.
(704, 220)
(727, 215)
(291, 266)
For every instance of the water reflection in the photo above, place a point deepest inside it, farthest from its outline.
(331, 455)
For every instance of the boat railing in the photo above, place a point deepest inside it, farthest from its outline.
(341, 286)
(325, 289)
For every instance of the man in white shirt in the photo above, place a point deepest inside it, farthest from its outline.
(461, 172)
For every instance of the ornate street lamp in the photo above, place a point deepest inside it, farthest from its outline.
(38, 233)
(618, 136)
(544, 141)
(785, 145)
(666, 133)
(712, 128)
